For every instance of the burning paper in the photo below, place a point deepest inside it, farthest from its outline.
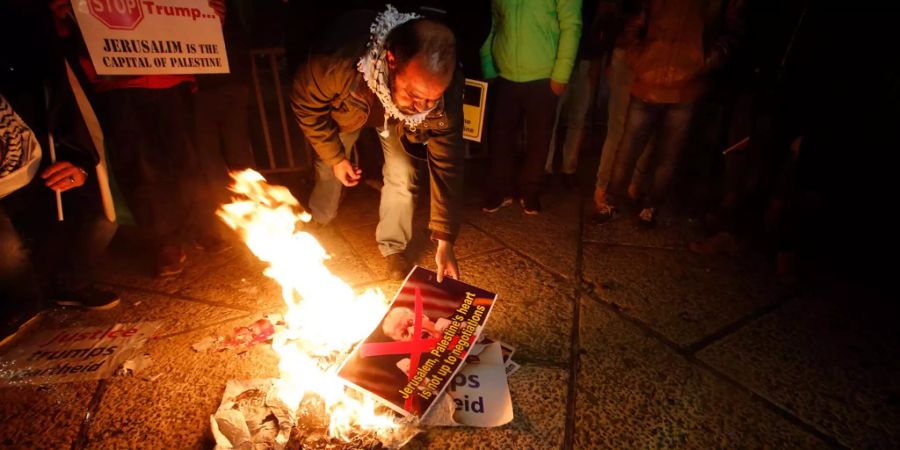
(324, 318)
(251, 414)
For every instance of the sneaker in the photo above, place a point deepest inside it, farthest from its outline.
(570, 182)
(397, 266)
(531, 205)
(647, 218)
(603, 213)
(170, 261)
(16, 324)
(493, 205)
(89, 298)
(211, 245)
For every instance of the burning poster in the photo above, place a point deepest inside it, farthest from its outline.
(420, 344)
(74, 354)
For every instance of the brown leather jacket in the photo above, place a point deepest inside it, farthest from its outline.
(674, 44)
(330, 97)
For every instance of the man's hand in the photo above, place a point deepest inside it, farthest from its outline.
(446, 261)
(557, 88)
(63, 176)
(347, 174)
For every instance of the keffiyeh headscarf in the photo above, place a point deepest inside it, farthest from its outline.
(373, 65)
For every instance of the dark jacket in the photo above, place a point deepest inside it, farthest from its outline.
(673, 44)
(330, 96)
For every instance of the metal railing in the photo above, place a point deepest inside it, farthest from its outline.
(281, 154)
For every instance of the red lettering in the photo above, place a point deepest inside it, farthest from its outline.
(130, 332)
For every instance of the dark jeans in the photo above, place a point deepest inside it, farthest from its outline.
(643, 120)
(150, 141)
(39, 256)
(534, 102)
(223, 143)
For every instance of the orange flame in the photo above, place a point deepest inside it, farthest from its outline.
(324, 317)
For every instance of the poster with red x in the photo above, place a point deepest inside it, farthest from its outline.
(422, 341)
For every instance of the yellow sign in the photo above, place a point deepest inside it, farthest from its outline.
(474, 102)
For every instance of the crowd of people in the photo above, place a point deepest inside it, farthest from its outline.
(719, 100)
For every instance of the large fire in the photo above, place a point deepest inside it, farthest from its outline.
(324, 316)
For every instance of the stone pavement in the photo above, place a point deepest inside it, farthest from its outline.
(627, 340)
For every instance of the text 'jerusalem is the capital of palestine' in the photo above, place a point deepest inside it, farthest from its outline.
(157, 47)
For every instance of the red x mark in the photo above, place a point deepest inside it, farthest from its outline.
(413, 347)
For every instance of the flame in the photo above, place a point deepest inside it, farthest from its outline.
(324, 317)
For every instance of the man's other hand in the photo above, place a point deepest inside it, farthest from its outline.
(557, 88)
(346, 173)
(445, 260)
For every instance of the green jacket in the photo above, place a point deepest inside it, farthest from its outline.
(532, 40)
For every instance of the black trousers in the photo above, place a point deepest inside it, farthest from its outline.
(533, 103)
(149, 136)
(40, 256)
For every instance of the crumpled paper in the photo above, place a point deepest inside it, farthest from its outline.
(252, 417)
(242, 338)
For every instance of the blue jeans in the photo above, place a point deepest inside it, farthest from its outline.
(673, 122)
(398, 196)
(620, 77)
(574, 106)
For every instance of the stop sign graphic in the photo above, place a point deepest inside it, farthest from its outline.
(117, 14)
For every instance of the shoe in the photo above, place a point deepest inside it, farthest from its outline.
(16, 324)
(570, 182)
(170, 261)
(647, 218)
(89, 298)
(603, 213)
(211, 245)
(494, 204)
(397, 266)
(531, 204)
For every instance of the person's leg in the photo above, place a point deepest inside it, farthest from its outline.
(21, 297)
(235, 128)
(86, 243)
(18, 281)
(211, 178)
(131, 150)
(398, 196)
(540, 106)
(326, 194)
(579, 101)
(619, 98)
(676, 122)
(508, 114)
(639, 126)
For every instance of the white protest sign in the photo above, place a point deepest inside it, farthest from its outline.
(73, 354)
(480, 390)
(152, 37)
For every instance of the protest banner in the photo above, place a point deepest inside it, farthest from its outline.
(420, 344)
(152, 37)
(480, 390)
(73, 354)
